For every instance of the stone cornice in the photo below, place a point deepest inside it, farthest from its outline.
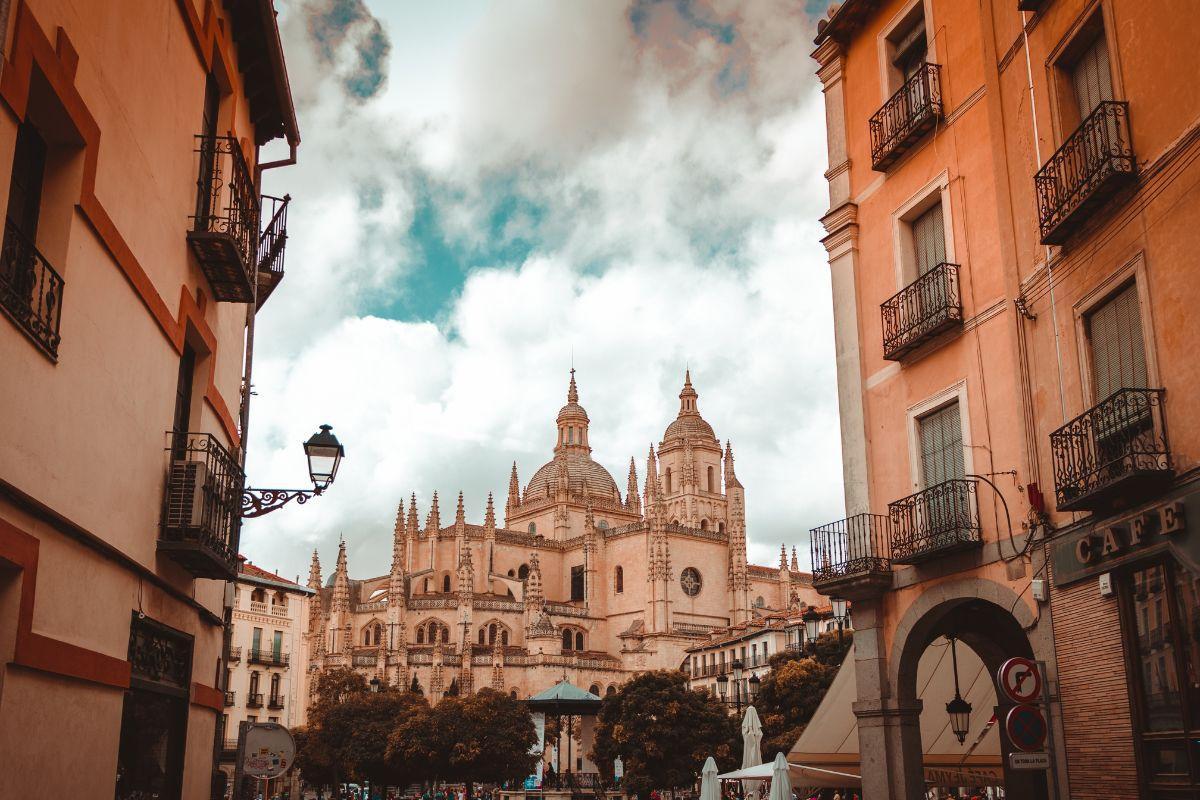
(831, 57)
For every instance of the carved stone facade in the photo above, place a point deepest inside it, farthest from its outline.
(581, 580)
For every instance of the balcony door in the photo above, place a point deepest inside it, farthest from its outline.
(1091, 77)
(256, 641)
(945, 504)
(277, 645)
(929, 239)
(1125, 422)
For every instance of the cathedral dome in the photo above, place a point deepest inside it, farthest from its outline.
(582, 474)
(689, 424)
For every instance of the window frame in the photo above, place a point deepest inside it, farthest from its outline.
(1064, 109)
(890, 78)
(903, 244)
(956, 392)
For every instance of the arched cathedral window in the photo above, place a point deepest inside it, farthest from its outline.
(711, 483)
(619, 579)
(668, 479)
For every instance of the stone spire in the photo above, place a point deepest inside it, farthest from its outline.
(489, 536)
(460, 517)
(399, 536)
(783, 559)
(653, 490)
(314, 572)
(572, 389)
(498, 665)
(514, 494)
(795, 562)
(433, 523)
(533, 582)
(730, 476)
(466, 683)
(341, 581)
(572, 422)
(489, 516)
(632, 500)
(435, 674)
(687, 396)
(466, 572)
(412, 531)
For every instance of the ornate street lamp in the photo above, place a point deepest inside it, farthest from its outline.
(723, 686)
(839, 614)
(375, 683)
(812, 626)
(958, 709)
(737, 683)
(324, 454)
(755, 682)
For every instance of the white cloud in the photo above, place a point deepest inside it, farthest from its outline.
(674, 222)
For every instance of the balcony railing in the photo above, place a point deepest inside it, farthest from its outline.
(258, 607)
(920, 311)
(235, 654)
(272, 244)
(225, 231)
(229, 698)
(937, 521)
(852, 557)
(1093, 163)
(30, 290)
(202, 506)
(907, 116)
(1118, 448)
(254, 700)
(268, 657)
(275, 703)
(278, 610)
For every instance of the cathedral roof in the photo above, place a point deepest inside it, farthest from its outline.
(582, 473)
(689, 424)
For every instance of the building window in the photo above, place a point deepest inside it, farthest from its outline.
(712, 484)
(446, 583)
(1161, 607)
(577, 582)
(619, 579)
(155, 712)
(690, 581)
(1117, 350)
(941, 446)
(567, 639)
(1090, 72)
(594, 689)
(907, 47)
(181, 420)
(720, 527)
(532, 528)
(578, 640)
(929, 239)
(703, 524)
(275, 688)
(523, 570)
(668, 479)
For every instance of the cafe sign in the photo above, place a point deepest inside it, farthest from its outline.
(1109, 544)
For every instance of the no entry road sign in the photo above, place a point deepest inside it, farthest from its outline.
(1026, 728)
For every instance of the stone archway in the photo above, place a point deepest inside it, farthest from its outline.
(991, 620)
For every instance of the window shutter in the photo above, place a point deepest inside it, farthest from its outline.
(1091, 77)
(1118, 351)
(941, 446)
(929, 239)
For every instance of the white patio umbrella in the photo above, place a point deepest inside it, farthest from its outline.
(710, 787)
(751, 744)
(781, 781)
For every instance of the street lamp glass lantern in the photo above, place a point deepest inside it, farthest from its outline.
(755, 682)
(737, 670)
(722, 685)
(812, 624)
(324, 455)
(375, 684)
(960, 717)
(839, 611)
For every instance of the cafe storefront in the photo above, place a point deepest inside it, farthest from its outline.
(1126, 599)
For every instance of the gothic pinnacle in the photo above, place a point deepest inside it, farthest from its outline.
(489, 516)
(459, 514)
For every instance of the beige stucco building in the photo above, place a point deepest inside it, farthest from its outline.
(582, 579)
(129, 271)
(261, 679)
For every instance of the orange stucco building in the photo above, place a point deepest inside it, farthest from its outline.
(1009, 234)
(136, 247)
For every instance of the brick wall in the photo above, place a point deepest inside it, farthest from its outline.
(1095, 699)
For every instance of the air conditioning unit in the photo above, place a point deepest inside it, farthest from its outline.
(185, 495)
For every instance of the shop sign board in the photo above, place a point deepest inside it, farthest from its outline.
(1026, 728)
(1020, 680)
(1102, 547)
(1039, 760)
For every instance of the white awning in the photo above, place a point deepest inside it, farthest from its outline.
(801, 775)
(830, 742)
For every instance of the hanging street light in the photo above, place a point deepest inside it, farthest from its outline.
(958, 709)
(755, 682)
(737, 683)
(723, 686)
(324, 453)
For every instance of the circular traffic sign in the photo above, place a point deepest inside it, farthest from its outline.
(268, 751)
(1026, 728)
(1020, 679)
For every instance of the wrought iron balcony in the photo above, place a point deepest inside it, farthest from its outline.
(275, 703)
(907, 116)
(225, 234)
(235, 654)
(1113, 451)
(30, 290)
(851, 558)
(271, 245)
(268, 657)
(254, 700)
(920, 311)
(229, 698)
(932, 523)
(1090, 166)
(202, 506)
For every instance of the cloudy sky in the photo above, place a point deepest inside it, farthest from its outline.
(488, 190)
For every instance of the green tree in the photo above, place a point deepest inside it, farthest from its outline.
(363, 724)
(791, 692)
(663, 731)
(484, 737)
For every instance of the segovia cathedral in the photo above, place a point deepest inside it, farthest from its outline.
(580, 582)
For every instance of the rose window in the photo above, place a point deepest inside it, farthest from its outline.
(689, 579)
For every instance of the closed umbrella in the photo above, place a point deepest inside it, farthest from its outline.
(710, 787)
(751, 743)
(781, 782)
